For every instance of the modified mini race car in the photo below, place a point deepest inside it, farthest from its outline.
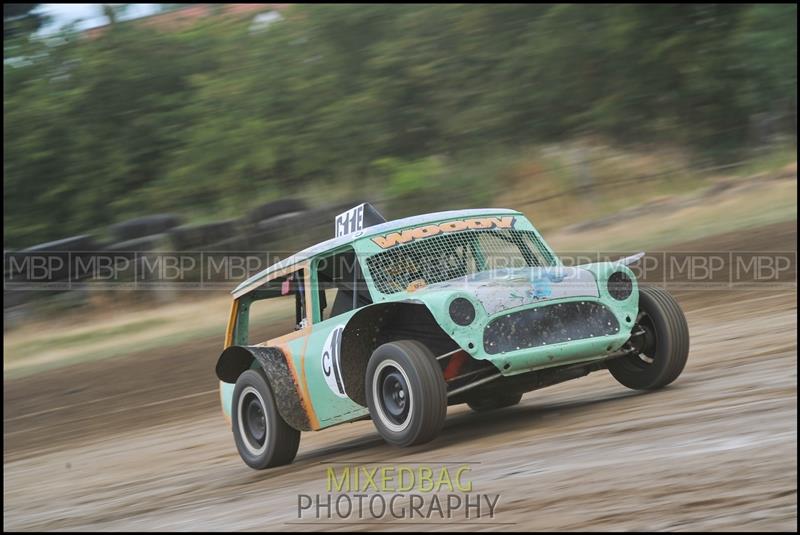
(394, 321)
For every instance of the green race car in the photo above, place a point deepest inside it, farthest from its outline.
(394, 321)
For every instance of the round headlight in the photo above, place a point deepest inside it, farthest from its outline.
(620, 286)
(462, 311)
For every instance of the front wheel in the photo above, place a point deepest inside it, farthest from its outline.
(262, 436)
(660, 339)
(406, 393)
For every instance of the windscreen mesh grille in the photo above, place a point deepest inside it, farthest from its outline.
(449, 256)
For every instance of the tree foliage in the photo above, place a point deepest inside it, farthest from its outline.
(209, 117)
(21, 20)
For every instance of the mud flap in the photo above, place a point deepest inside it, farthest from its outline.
(237, 359)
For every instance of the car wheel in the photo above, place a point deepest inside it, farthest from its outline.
(406, 393)
(660, 338)
(262, 436)
(495, 401)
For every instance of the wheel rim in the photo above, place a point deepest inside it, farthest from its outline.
(252, 416)
(644, 341)
(392, 395)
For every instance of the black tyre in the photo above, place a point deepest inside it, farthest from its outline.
(661, 339)
(494, 401)
(262, 437)
(406, 393)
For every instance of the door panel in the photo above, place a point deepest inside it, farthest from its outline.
(322, 372)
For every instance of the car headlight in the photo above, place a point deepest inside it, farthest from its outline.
(619, 285)
(462, 311)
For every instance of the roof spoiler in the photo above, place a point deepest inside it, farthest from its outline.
(357, 218)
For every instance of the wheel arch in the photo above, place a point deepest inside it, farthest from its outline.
(379, 323)
(235, 360)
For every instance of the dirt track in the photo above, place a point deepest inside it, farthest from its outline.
(139, 442)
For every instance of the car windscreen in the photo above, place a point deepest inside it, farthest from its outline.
(454, 255)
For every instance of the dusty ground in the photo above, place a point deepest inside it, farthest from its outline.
(139, 442)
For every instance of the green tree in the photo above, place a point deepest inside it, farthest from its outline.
(213, 117)
(21, 20)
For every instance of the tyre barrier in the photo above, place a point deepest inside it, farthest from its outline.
(143, 226)
(57, 257)
(195, 237)
(273, 231)
(273, 209)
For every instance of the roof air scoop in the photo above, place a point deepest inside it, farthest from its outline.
(357, 218)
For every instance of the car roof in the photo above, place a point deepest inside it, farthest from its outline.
(328, 245)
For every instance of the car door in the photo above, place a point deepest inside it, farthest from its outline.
(332, 307)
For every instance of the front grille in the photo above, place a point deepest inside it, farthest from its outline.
(551, 324)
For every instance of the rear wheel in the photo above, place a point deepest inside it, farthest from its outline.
(660, 338)
(262, 437)
(495, 401)
(406, 393)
